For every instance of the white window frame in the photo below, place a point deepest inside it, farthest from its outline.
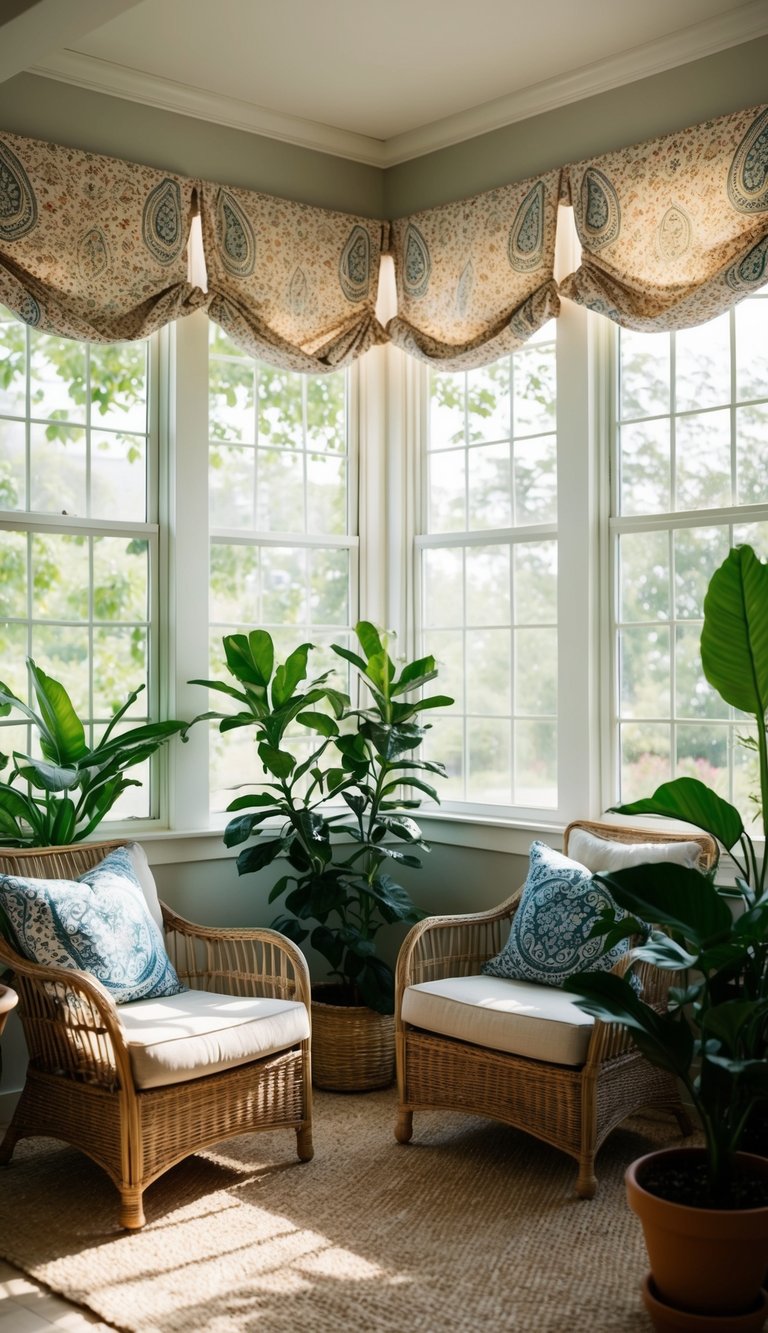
(150, 530)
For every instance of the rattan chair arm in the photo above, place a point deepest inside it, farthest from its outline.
(450, 946)
(70, 1021)
(247, 960)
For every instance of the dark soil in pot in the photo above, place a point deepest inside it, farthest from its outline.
(689, 1184)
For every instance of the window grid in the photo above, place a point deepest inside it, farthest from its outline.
(318, 569)
(513, 786)
(65, 639)
(705, 742)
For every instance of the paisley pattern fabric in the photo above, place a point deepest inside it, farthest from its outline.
(549, 940)
(91, 247)
(475, 278)
(674, 230)
(98, 923)
(292, 284)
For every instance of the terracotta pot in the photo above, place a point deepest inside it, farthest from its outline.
(668, 1319)
(708, 1261)
(353, 1047)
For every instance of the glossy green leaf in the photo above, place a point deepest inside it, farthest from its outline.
(63, 726)
(277, 762)
(369, 638)
(693, 802)
(734, 638)
(671, 895)
(288, 676)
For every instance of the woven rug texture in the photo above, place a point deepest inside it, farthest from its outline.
(472, 1225)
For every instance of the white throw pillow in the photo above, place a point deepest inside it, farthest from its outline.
(140, 866)
(605, 854)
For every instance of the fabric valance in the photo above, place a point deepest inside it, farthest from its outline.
(475, 278)
(673, 231)
(291, 284)
(92, 247)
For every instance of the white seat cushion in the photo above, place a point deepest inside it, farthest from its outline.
(519, 1017)
(200, 1032)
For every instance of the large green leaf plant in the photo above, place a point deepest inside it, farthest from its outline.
(64, 794)
(734, 658)
(331, 807)
(714, 1035)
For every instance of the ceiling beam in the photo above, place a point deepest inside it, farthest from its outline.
(30, 29)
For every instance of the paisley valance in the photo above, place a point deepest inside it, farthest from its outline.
(475, 278)
(673, 231)
(291, 284)
(92, 247)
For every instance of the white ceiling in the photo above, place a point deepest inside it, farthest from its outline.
(388, 79)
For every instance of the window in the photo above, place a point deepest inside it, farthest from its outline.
(282, 500)
(78, 529)
(489, 577)
(690, 481)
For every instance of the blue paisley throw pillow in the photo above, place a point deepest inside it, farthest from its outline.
(549, 940)
(98, 923)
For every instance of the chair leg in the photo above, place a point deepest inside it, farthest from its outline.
(304, 1146)
(586, 1185)
(404, 1125)
(132, 1207)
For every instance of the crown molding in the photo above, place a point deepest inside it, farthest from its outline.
(679, 48)
(103, 76)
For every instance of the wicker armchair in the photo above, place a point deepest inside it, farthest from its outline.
(572, 1107)
(81, 1085)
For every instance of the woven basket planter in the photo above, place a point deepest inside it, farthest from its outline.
(353, 1047)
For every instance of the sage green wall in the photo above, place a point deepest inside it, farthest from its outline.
(46, 109)
(721, 83)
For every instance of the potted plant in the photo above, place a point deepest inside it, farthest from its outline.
(337, 888)
(62, 796)
(715, 1033)
(691, 1201)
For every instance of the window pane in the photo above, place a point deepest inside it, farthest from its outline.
(490, 746)
(644, 461)
(488, 402)
(751, 342)
(80, 597)
(535, 582)
(58, 470)
(447, 483)
(490, 491)
(704, 461)
(718, 459)
(58, 378)
(536, 764)
(13, 363)
(488, 612)
(232, 399)
(118, 475)
(13, 472)
(536, 480)
(231, 486)
(703, 365)
(118, 379)
(644, 591)
(281, 408)
(752, 453)
(443, 588)
(644, 373)
(487, 574)
(698, 552)
(329, 587)
(446, 410)
(534, 390)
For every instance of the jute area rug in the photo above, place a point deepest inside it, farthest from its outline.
(471, 1226)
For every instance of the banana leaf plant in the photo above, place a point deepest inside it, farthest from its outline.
(734, 658)
(64, 795)
(319, 753)
(713, 1035)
